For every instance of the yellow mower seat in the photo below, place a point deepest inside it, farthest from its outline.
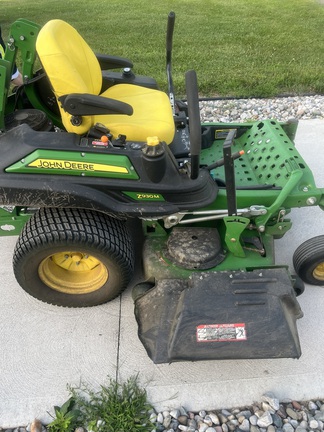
(73, 68)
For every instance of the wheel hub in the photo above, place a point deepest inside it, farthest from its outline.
(318, 272)
(73, 272)
(76, 257)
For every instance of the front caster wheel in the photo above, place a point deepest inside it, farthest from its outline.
(308, 261)
(74, 258)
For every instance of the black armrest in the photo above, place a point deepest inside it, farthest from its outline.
(113, 62)
(88, 104)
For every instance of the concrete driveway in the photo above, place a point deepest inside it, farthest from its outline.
(44, 348)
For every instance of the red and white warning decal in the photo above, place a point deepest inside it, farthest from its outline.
(221, 332)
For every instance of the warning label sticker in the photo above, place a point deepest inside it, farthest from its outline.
(221, 332)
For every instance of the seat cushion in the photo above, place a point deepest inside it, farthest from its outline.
(152, 114)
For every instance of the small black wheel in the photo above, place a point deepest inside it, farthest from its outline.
(73, 257)
(308, 261)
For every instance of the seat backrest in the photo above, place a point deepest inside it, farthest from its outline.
(68, 61)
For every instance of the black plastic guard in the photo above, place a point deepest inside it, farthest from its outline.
(220, 315)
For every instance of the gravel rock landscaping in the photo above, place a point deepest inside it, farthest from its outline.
(269, 415)
(280, 108)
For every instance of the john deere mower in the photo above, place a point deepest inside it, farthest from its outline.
(89, 151)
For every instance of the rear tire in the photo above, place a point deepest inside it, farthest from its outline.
(308, 261)
(73, 257)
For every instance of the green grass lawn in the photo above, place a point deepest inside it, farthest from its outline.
(238, 47)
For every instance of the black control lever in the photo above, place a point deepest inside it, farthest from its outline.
(194, 122)
(169, 37)
(229, 173)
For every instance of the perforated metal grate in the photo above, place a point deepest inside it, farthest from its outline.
(269, 156)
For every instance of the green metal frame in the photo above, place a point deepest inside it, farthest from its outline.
(22, 38)
(271, 160)
(13, 219)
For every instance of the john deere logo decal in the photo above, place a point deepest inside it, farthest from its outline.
(75, 164)
(72, 165)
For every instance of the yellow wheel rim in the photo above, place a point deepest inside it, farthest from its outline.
(73, 272)
(318, 272)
